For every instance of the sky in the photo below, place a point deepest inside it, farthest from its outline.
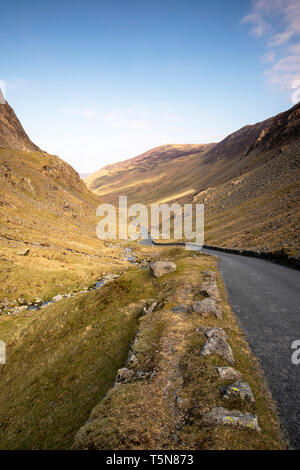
(96, 82)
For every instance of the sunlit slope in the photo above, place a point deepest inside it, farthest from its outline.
(248, 182)
(44, 207)
(151, 176)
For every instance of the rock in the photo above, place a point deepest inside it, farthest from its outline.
(57, 297)
(219, 346)
(21, 308)
(214, 331)
(240, 390)
(220, 415)
(206, 307)
(210, 290)
(21, 301)
(132, 360)
(229, 373)
(180, 308)
(159, 268)
(149, 306)
(210, 274)
(38, 300)
(23, 252)
(124, 374)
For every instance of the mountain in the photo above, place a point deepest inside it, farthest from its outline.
(150, 176)
(44, 207)
(12, 134)
(248, 183)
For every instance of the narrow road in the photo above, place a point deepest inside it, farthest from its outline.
(266, 299)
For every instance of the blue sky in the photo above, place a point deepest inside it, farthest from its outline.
(96, 81)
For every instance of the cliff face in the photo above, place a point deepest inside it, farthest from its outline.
(12, 134)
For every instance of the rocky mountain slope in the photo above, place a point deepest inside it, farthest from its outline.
(44, 207)
(248, 183)
(12, 134)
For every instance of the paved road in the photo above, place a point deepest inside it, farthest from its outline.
(266, 299)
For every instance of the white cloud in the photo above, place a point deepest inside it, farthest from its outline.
(278, 21)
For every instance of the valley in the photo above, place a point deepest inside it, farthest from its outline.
(95, 340)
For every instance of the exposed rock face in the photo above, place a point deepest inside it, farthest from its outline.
(206, 307)
(2, 99)
(220, 415)
(219, 346)
(159, 268)
(240, 390)
(229, 373)
(12, 134)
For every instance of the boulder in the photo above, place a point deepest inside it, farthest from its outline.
(132, 360)
(219, 346)
(57, 298)
(220, 415)
(240, 390)
(210, 289)
(23, 252)
(124, 374)
(214, 331)
(229, 373)
(206, 307)
(159, 268)
(149, 306)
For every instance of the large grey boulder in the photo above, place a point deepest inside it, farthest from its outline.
(217, 345)
(229, 373)
(159, 268)
(240, 390)
(220, 415)
(206, 307)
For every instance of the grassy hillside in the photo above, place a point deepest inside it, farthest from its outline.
(151, 175)
(247, 182)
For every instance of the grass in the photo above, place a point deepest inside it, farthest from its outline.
(164, 412)
(63, 360)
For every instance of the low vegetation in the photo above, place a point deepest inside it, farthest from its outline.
(165, 410)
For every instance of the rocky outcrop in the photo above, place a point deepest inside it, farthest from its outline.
(12, 134)
(160, 268)
(240, 390)
(206, 307)
(218, 346)
(229, 373)
(220, 415)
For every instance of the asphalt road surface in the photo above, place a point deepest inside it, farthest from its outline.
(266, 299)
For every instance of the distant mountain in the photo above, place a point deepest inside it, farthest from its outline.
(249, 183)
(151, 175)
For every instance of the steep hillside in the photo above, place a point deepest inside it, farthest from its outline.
(149, 176)
(44, 207)
(248, 183)
(12, 134)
